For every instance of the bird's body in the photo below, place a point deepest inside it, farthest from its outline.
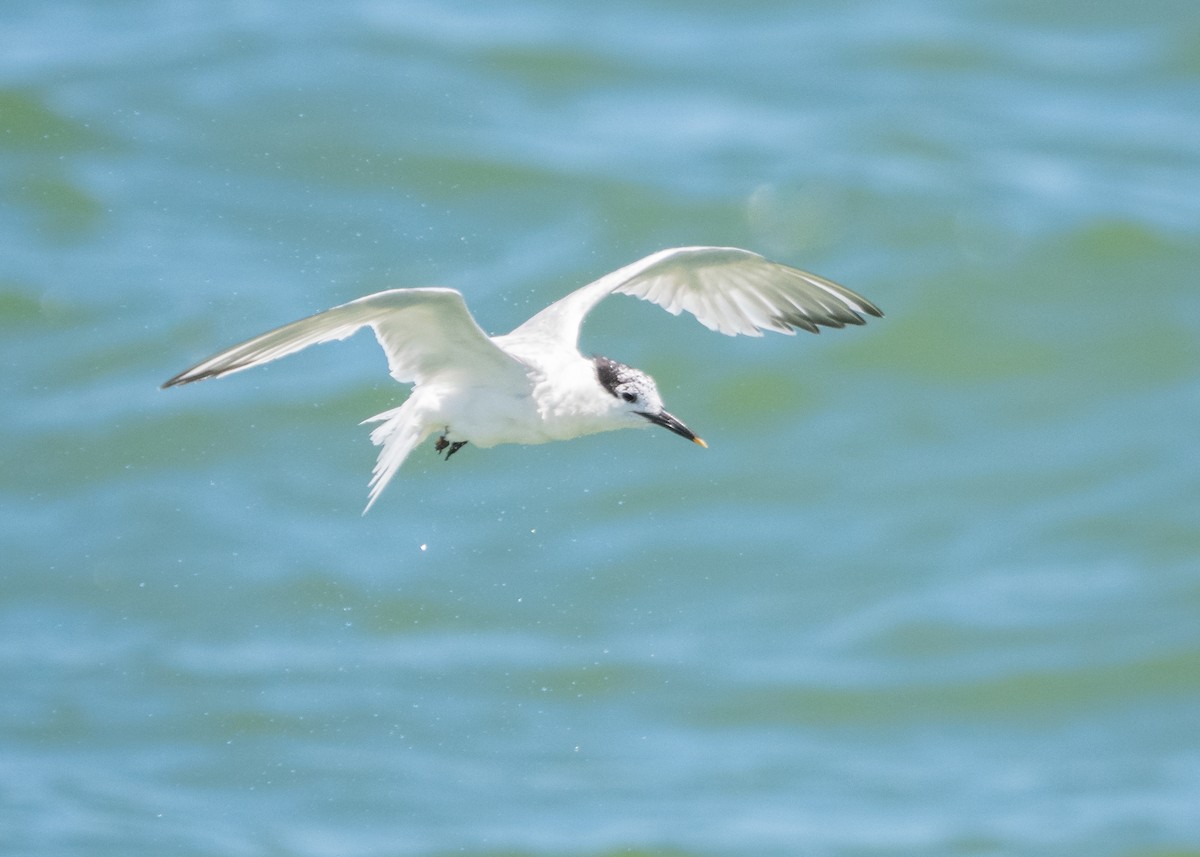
(532, 385)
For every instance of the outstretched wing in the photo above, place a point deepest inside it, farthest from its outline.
(728, 290)
(426, 333)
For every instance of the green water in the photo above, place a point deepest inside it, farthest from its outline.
(932, 590)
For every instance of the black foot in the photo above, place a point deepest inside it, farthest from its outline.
(451, 447)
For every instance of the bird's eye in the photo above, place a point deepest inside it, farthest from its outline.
(629, 397)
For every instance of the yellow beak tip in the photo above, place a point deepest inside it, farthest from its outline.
(700, 441)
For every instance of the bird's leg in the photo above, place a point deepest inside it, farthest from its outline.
(451, 447)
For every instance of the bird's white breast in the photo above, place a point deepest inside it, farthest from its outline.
(562, 398)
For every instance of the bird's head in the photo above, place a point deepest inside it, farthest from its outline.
(637, 395)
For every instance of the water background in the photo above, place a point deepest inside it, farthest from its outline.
(932, 590)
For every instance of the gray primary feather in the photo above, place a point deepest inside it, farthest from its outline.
(728, 290)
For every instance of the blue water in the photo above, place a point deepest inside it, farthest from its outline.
(932, 590)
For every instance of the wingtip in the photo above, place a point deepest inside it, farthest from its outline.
(191, 376)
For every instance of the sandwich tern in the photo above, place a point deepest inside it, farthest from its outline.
(533, 385)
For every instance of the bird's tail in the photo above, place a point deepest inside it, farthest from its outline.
(399, 432)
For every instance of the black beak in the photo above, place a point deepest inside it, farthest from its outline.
(662, 418)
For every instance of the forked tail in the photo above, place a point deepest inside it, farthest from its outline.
(399, 432)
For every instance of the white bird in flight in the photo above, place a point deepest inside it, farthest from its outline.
(532, 385)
